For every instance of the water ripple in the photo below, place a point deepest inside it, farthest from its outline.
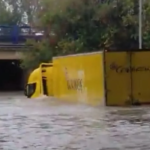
(48, 125)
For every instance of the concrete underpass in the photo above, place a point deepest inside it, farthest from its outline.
(11, 75)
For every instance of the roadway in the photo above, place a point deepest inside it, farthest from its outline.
(46, 124)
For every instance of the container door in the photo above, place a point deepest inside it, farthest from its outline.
(118, 78)
(141, 77)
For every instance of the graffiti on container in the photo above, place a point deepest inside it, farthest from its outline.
(73, 83)
(122, 69)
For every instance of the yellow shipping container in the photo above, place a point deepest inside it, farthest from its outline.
(127, 76)
(79, 78)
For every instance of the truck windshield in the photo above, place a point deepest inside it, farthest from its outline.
(30, 89)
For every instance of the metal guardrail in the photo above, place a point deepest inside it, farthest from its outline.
(12, 47)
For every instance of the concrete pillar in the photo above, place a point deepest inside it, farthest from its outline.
(26, 74)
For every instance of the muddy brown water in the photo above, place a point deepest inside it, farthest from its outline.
(45, 124)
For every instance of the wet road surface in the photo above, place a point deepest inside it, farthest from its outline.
(48, 125)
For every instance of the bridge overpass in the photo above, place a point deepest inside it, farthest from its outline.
(13, 40)
(12, 44)
(11, 51)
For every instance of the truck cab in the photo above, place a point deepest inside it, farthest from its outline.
(40, 81)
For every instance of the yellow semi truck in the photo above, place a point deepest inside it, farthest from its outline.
(70, 78)
(112, 78)
(40, 81)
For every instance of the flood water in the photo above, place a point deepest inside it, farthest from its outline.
(45, 124)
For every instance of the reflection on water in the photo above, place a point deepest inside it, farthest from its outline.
(45, 124)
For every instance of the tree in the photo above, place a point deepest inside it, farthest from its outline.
(39, 52)
(77, 26)
(19, 11)
(6, 16)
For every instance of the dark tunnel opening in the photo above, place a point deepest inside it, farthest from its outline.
(11, 75)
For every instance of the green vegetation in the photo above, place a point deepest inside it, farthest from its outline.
(18, 11)
(75, 26)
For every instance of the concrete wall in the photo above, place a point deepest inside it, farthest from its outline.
(10, 55)
(26, 74)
